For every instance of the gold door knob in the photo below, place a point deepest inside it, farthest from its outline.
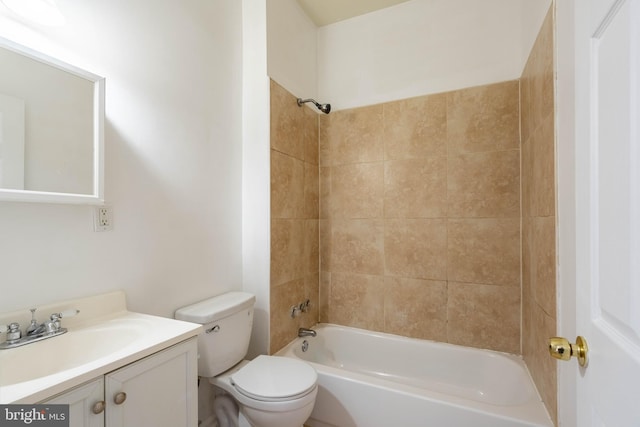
(560, 348)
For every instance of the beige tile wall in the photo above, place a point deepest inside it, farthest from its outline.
(420, 217)
(538, 214)
(294, 215)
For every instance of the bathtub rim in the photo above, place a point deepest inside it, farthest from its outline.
(320, 325)
(527, 412)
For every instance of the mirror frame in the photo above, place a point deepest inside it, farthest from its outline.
(97, 197)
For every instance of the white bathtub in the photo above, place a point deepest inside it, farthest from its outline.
(371, 379)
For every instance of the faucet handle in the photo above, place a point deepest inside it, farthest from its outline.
(68, 313)
(63, 314)
(12, 330)
(304, 306)
(54, 324)
(14, 333)
(294, 311)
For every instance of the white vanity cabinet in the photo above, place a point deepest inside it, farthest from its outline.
(86, 404)
(159, 390)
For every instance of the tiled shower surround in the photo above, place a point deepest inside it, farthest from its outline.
(418, 203)
(420, 217)
(405, 217)
(294, 216)
(539, 214)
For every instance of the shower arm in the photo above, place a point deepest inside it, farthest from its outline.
(301, 102)
(325, 108)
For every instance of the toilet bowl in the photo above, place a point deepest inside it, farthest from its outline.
(270, 391)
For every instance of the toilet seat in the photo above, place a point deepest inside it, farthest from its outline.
(274, 379)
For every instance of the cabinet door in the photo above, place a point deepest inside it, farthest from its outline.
(159, 390)
(84, 401)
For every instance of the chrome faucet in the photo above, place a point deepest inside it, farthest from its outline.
(47, 327)
(34, 332)
(304, 332)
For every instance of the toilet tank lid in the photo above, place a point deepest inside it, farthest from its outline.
(216, 308)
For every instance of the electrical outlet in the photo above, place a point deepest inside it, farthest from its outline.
(102, 218)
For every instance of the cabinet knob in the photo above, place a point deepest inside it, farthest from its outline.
(98, 407)
(119, 398)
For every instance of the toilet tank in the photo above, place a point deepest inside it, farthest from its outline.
(227, 320)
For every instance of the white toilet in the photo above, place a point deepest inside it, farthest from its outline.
(271, 391)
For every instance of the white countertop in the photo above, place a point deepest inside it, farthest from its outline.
(102, 338)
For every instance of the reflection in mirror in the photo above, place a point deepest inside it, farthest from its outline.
(51, 129)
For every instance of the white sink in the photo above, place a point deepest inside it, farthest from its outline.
(69, 351)
(93, 347)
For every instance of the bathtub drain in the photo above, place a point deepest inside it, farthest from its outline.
(305, 345)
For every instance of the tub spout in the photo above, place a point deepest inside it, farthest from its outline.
(304, 332)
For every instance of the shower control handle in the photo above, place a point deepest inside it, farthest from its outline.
(294, 311)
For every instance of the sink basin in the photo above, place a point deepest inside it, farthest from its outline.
(69, 351)
(103, 338)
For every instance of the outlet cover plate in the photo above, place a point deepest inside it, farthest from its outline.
(102, 218)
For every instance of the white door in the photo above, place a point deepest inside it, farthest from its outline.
(606, 215)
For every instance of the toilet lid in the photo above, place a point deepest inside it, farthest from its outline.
(274, 378)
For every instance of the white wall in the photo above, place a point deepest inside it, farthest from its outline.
(173, 159)
(532, 16)
(256, 196)
(292, 48)
(425, 46)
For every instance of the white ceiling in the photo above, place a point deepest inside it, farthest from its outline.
(324, 12)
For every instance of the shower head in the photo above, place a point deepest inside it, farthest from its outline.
(325, 108)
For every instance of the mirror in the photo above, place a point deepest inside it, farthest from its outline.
(51, 129)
